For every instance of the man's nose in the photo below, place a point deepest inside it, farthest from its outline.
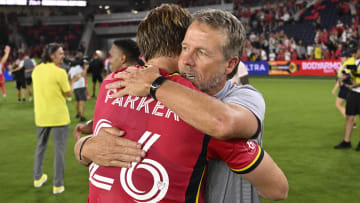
(187, 58)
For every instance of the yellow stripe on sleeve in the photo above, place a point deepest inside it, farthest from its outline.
(251, 164)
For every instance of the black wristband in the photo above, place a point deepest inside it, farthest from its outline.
(82, 144)
(155, 85)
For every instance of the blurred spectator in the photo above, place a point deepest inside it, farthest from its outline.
(317, 52)
(3, 61)
(19, 74)
(96, 67)
(77, 75)
(301, 50)
(28, 64)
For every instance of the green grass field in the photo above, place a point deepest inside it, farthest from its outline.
(301, 128)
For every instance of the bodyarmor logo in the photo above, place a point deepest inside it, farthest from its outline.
(160, 176)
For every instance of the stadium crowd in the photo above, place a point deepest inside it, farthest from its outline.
(267, 41)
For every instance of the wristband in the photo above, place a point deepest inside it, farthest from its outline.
(82, 144)
(155, 85)
(89, 121)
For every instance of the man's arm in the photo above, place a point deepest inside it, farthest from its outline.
(219, 119)
(82, 128)
(68, 94)
(248, 159)
(108, 148)
(353, 85)
(17, 68)
(84, 161)
(86, 67)
(336, 86)
(6, 55)
(268, 179)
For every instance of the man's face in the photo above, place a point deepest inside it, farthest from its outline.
(58, 56)
(201, 60)
(117, 58)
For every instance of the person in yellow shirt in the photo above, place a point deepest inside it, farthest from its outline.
(353, 98)
(318, 52)
(51, 86)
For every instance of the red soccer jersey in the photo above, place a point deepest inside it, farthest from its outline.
(176, 152)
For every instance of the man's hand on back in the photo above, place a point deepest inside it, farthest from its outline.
(108, 148)
(135, 81)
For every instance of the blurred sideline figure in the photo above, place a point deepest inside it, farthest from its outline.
(340, 101)
(77, 74)
(351, 81)
(19, 73)
(96, 67)
(3, 60)
(28, 64)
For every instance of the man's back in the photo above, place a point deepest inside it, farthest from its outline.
(50, 83)
(77, 70)
(176, 152)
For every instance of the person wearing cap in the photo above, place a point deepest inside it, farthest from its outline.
(353, 98)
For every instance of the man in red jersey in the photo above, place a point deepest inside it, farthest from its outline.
(123, 53)
(176, 173)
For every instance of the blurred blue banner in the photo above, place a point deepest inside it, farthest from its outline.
(8, 76)
(257, 68)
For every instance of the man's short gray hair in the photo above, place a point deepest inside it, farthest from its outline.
(229, 24)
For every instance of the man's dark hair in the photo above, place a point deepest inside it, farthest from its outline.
(48, 50)
(162, 31)
(129, 48)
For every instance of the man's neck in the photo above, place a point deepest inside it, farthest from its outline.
(168, 64)
(217, 89)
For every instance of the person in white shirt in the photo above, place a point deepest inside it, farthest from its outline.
(77, 75)
(241, 76)
(272, 56)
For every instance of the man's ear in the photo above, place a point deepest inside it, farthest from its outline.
(231, 64)
(123, 58)
(52, 56)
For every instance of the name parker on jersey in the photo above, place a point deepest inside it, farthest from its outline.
(135, 103)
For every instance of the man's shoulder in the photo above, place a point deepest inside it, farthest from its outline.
(235, 88)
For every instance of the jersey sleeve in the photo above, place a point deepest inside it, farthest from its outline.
(241, 155)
